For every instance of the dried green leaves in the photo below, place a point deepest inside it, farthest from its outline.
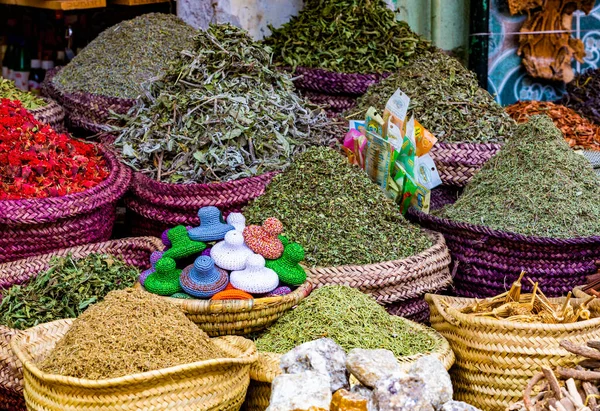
(10, 91)
(222, 113)
(536, 185)
(336, 213)
(352, 36)
(446, 99)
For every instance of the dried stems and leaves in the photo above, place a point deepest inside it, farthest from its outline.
(10, 91)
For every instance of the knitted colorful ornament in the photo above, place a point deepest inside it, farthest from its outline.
(284, 240)
(165, 239)
(264, 239)
(231, 253)
(211, 226)
(255, 278)
(182, 245)
(206, 252)
(279, 291)
(287, 267)
(237, 220)
(182, 296)
(165, 280)
(154, 257)
(232, 295)
(203, 279)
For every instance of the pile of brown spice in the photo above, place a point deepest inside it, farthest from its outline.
(578, 131)
(130, 332)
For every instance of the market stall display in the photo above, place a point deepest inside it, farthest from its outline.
(582, 95)
(533, 207)
(56, 191)
(336, 49)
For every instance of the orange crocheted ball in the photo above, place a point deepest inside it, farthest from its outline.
(232, 294)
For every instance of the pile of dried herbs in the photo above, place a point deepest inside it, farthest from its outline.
(65, 290)
(334, 210)
(536, 185)
(130, 332)
(583, 95)
(222, 113)
(350, 36)
(124, 57)
(10, 91)
(351, 319)
(446, 99)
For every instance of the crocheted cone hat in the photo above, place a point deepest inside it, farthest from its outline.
(182, 245)
(165, 280)
(255, 278)
(231, 253)
(211, 227)
(237, 220)
(182, 296)
(154, 257)
(264, 239)
(203, 279)
(287, 267)
(232, 294)
(279, 291)
(165, 238)
(284, 240)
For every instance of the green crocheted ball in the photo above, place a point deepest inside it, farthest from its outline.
(284, 240)
(287, 266)
(165, 279)
(182, 245)
(182, 296)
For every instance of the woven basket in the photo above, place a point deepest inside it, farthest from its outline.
(87, 111)
(218, 384)
(457, 163)
(333, 104)
(488, 261)
(134, 251)
(264, 371)
(238, 317)
(37, 226)
(495, 359)
(400, 281)
(156, 206)
(51, 114)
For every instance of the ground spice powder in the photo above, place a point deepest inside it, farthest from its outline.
(131, 331)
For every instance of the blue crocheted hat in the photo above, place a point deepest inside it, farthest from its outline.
(203, 279)
(212, 227)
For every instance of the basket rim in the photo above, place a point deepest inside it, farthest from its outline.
(114, 186)
(320, 70)
(197, 306)
(466, 145)
(51, 105)
(499, 234)
(247, 357)
(501, 325)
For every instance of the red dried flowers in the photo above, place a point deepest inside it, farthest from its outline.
(37, 162)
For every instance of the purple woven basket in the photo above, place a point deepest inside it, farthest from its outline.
(457, 163)
(36, 226)
(155, 206)
(334, 83)
(486, 262)
(416, 310)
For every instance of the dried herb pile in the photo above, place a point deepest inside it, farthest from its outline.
(37, 162)
(536, 185)
(578, 131)
(334, 210)
(65, 290)
(352, 36)
(124, 57)
(10, 91)
(445, 98)
(222, 113)
(583, 95)
(350, 318)
(130, 332)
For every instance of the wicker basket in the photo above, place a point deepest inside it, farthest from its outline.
(487, 261)
(156, 206)
(457, 163)
(51, 114)
(495, 359)
(134, 251)
(399, 282)
(37, 226)
(264, 371)
(239, 317)
(218, 384)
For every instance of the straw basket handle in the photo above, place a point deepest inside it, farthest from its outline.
(442, 310)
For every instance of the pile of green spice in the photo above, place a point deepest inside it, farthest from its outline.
(350, 36)
(130, 332)
(445, 98)
(351, 319)
(127, 55)
(536, 185)
(221, 113)
(334, 210)
(10, 91)
(65, 290)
